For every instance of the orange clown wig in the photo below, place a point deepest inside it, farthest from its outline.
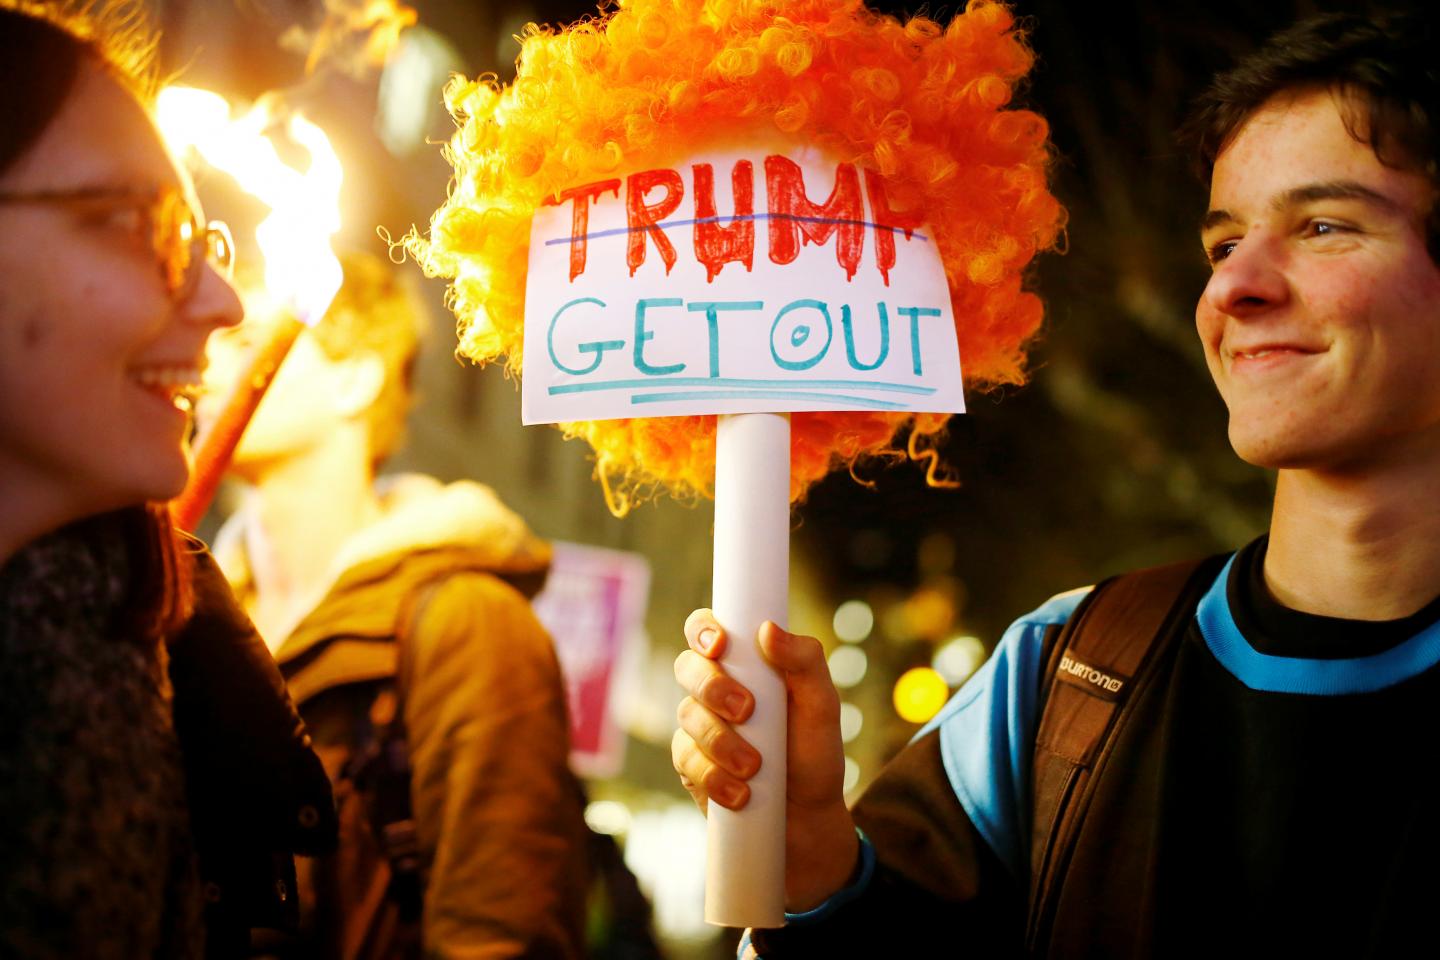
(650, 82)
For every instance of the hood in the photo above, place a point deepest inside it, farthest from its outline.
(421, 514)
(427, 529)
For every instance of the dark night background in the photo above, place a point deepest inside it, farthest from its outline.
(1114, 456)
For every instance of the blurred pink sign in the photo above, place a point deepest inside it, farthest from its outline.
(593, 605)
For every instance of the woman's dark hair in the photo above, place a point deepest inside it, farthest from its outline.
(42, 49)
(42, 46)
(1383, 69)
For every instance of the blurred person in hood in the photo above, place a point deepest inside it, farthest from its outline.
(398, 610)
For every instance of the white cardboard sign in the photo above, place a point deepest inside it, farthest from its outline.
(746, 279)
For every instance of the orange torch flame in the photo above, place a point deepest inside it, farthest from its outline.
(302, 273)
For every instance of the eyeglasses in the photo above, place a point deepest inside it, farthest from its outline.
(164, 220)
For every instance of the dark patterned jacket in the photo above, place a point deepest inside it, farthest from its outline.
(147, 792)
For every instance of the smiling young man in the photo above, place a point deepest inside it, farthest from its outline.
(1230, 755)
(1321, 327)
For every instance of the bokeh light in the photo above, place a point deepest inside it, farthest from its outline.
(852, 719)
(848, 666)
(608, 816)
(919, 694)
(853, 621)
(958, 659)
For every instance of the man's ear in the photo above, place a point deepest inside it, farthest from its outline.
(358, 384)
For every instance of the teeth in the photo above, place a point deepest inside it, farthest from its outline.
(168, 377)
(179, 383)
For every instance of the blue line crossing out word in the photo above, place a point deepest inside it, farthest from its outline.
(675, 224)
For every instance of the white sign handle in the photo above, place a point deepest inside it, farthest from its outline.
(745, 878)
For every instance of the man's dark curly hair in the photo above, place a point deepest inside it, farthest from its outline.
(1383, 68)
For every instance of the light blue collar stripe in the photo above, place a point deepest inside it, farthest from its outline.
(1260, 671)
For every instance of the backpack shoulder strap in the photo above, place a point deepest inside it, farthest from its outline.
(380, 771)
(1094, 667)
(394, 818)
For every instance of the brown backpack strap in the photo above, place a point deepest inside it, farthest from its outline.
(394, 818)
(1099, 661)
(385, 922)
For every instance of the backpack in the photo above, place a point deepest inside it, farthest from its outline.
(1095, 667)
(620, 915)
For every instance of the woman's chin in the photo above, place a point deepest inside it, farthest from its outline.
(164, 478)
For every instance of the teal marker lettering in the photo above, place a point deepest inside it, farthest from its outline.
(847, 326)
(800, 334)
(642, 335)
(597, 347)
(712, 310)
(915, 313)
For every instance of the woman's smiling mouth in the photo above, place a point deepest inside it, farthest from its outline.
(177, 384)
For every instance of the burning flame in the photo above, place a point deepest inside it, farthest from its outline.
(301, 270)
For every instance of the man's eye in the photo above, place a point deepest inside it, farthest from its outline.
(1322, 228)
(1219, 251)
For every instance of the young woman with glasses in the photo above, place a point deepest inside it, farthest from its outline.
(152, 771)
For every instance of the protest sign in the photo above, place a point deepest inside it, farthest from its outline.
(693, 227)
(643, 299)
(743, 279)
(593, 605)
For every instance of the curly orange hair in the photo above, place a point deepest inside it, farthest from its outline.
(650, 82)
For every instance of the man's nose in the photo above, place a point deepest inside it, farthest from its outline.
(1250, 280)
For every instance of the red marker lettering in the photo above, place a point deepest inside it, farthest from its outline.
(792, 213)
(580, 218)
(715, 245)
(887, 221)
(643, 217)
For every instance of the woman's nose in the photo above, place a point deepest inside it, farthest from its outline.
(214, 302)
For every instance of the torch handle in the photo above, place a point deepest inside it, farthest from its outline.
(216, 445)
(745, 870)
